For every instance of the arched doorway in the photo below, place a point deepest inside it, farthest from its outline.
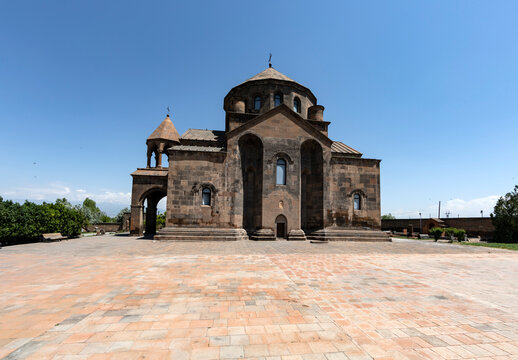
(312, 186)
(251, 150)
(281, 227)
(150, 201)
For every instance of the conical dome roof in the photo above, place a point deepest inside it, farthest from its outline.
(165, 131)
(270, 73)
(268, 78)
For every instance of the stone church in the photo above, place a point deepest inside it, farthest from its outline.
(273, 173)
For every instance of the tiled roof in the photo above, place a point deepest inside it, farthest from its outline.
(204, 135)
(197, 148)
(217, 137)
(270, 73)
(340, 147)
(201, 140)
(437, 220)
(151, 172)
(166, 131)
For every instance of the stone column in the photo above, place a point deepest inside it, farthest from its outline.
(327, 202)
(136, 220)
(149, 155)
(158, 158)
(160, 152)
(150, 219)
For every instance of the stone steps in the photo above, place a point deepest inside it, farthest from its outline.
(343, 234)
(263, 235)
(200, 234)
(231, 234)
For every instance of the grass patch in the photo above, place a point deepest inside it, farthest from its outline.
(494, 245)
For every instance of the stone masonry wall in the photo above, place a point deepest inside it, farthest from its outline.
(281, 138)
(189, 172)
(474, 226)
(350, 175)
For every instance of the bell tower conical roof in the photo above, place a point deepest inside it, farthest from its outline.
(165, 131)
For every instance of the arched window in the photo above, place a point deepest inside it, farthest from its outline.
(296, 105)
(165, 160)
(357, 202)
(205, 196)
(257, 103)
(281, 172)
(277, 99)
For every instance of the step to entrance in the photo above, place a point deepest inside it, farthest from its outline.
(200, 234)
(344, 234)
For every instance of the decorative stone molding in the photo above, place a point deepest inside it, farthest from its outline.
(359, 192)
(280, 155)
(198, 186)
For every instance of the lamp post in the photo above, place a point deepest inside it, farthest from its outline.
(420, 224)
(481, 213)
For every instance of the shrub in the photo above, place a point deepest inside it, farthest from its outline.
(460, 234)
(436, 232)
(27, 222)
(449, 232)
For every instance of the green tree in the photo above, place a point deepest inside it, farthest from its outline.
(160, 221)
(120, 215)
(106, 219)
(10, 218)
(92, 214)
(27, 222)
(505, 218)
(64, 202)
(388, 216)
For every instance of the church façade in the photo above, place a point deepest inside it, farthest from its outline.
(272, 173)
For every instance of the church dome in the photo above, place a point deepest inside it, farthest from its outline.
(269, 73)
(266, 90)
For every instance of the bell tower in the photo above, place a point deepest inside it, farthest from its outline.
(164, 136)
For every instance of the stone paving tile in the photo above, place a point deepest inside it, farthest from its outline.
(126, 298)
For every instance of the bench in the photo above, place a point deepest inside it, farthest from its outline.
(53, 237)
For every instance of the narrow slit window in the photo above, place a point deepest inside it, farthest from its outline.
(277, 99)
(205, 199)
(357, 202)
(257, 103)
(281, 172)
(296, 105)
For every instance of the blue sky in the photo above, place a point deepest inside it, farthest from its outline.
(430, 88)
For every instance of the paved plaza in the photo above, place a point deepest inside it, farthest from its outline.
(115, 297)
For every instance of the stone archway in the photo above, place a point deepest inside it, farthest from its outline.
(146, 193)
(281, 227)
(151, 198)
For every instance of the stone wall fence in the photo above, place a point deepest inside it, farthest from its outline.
(474, 226)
